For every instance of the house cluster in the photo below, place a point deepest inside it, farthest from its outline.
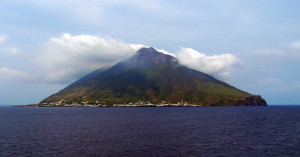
(148, 104)
(97, 103)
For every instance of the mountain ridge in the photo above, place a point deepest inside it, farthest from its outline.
(154, 77)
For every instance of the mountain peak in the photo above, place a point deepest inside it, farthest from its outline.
(148, 57)
(146, 50)
(148, 53)
(154, 77)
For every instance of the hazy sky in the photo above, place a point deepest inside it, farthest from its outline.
(47, 44)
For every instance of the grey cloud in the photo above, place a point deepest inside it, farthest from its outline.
(6, 73)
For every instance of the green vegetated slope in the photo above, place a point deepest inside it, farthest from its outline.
(153, 76)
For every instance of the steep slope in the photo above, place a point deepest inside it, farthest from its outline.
(153, 76)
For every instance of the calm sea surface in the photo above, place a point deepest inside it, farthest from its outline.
(189, 131)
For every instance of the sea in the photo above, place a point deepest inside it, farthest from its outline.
(150, 131)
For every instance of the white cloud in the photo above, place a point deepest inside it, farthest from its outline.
(68, 57)
(295, 45)
(6, 47)
(217, 65)
(165, 52)
(6, 73)
(3, 38)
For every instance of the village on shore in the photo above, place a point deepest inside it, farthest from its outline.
(139, 103)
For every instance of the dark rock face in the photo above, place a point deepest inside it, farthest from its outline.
(255, 100)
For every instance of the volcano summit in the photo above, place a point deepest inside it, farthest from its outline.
(150, 77)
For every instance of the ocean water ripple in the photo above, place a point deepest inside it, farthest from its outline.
(187, 131)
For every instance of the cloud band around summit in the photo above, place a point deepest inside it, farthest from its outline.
(67, 58)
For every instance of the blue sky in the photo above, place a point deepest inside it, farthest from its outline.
(253, 45)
